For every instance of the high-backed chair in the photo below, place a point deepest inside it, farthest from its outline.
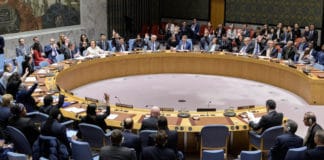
(21, 144)
(250, 155)
(16, 156)
(94, 135)
(296, 153)
(37, 117)
(211, 142)
(213, 155)
(49, 147)
(81, 150)
(265, 140)
(144, 136)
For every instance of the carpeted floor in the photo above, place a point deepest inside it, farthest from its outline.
(220, 92)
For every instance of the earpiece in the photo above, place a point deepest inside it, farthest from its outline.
(288, 128)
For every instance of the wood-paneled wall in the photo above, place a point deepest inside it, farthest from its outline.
(217, 12)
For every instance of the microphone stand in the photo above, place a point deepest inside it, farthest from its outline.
(208, 107)
(121, 109)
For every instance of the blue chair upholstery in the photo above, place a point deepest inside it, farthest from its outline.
(144, 137)
(43, 64)
(190, 41)
(16, 156)
(130, 44)
(250, 155)
(110, 45)
(19, 61)
(2, 62)
(81, 150)
(94, 135)
(213, 155)
(49, 147)
(59, 57)
(211, 142)
(265, 140)
(37, 117)
(19, 140)
(296, 153)
(318, 66)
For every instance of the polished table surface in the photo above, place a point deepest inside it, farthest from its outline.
(77, 73)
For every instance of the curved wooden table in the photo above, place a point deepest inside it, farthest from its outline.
(308, 87)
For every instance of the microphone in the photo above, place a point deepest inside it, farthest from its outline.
(121, 109)
(208, 107)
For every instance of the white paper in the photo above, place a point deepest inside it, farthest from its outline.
(30, 79)
(70, 133)
(75, 109)
(42, 71)
(112, 116)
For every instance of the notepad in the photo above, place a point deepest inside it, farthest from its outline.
(42, 71)
(75, 109)
(31, 79)
(112, 116)
(70, 133)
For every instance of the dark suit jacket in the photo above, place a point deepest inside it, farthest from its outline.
(172, 140)
(315, 154)
(289, 53)
(313, 37)
(99, 120)
(24, 96)
(59, 131)
(220, 32)
(187, 45)
(311, 132)
(288, 37)
(102, 44)
(283, 143)
(69, 54)
(132, 140)
(273, 54)
(4, 117)
(2, 44)
(225, 45)
(47, 109)
(149, 124)
(150, 45)
(249, 48)
(48, 52)
(273, 118)
(117, 153)
(26, 126)
(156, 153)
(119, 47)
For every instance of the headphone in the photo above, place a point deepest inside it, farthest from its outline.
(288, 128)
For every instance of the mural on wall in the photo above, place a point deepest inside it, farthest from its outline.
(28, 15)
(304, 12)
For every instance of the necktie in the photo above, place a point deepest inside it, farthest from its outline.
(153, 46)
(103, 45)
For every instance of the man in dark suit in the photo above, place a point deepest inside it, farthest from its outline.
(151, 122)
(313, 127)
(159, 151)
(272, 118)
(247, 47)
(285, 36)
(131, 140)
(313, 34)
(116, 151)
(289, 51)
(153, 45)
(318, 152)
(184, 44)
(172, 135)
(48, 104)
(52, 127)
(286, 141)
(220, 31)
(270, 50)
(121, 46)
(225, 44)
(103, 43)
(2, 45)
(51, 50)
(24, 96)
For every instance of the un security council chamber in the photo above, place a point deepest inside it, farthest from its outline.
(161, 80)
